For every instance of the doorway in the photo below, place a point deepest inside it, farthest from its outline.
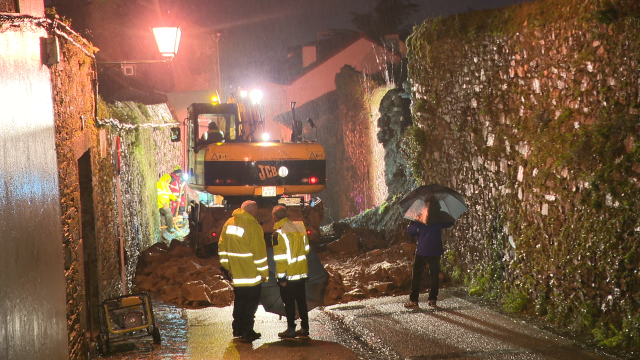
(91, 280)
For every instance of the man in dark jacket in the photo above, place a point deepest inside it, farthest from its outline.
(429, 251)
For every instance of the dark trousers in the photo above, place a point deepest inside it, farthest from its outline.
(294, 293)
(434, 271)
(245, 305)
(168, 218)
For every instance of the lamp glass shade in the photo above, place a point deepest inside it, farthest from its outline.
(168, 40)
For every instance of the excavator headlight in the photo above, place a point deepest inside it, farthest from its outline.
(283, 171)
(256, 96)
(265, 136)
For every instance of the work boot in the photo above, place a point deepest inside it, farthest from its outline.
(411, 305)
(251, 336)
(432, 303)
(302, 333)
(287, 334)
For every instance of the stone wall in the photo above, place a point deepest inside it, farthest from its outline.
(531, 112)
(146, 153)
(78, 137)
(87, 157)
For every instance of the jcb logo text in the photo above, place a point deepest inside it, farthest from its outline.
(267, 171)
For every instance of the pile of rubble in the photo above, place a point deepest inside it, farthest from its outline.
(362, 263)
(178, 276)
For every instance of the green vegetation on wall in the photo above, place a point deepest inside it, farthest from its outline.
(532, 113)
(355, 93)
(145, 153)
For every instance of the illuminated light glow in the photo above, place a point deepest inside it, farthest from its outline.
(265, 136)
(246, 158)
(168, 40)
(215, 100)
(256, 96)
(243, 93)
(308, 232)
(214, 234)
(283, 171)
(185, 176)
(313, 180)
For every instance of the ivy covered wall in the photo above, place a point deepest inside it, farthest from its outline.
(531, 112)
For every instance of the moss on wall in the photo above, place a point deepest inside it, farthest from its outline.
(531, 112)
(357, 96)
(146, 154)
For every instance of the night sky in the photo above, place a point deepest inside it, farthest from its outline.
(257, 33)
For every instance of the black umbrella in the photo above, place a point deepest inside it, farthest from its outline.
(314, 286)
(445, 205)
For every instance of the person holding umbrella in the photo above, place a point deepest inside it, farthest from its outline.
(429, 250)
(290, 251)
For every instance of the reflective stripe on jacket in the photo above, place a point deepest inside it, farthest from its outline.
(242, 249)
(290, 254)
(164, 193)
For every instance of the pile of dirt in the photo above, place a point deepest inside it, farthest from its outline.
(379, 272)
(361, 264)
(178, 276)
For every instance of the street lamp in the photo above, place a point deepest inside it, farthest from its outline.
(167, 39)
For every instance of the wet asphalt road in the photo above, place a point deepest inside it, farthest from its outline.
(369, 329)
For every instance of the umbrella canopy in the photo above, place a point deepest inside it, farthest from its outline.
(442, 204)
(314, 286)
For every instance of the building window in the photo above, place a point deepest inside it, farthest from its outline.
(9, 6)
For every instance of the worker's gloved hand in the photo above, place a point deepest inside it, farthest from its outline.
(226, 273)
(282, 281)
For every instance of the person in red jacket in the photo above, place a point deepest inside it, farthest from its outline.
(176, 185)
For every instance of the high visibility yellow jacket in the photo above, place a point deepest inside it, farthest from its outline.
(242, 249)
(290, 254)
(164, 192)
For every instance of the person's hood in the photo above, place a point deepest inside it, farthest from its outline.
(241, 213)
(165, 177)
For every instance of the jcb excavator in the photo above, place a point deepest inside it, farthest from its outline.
(231, 158)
